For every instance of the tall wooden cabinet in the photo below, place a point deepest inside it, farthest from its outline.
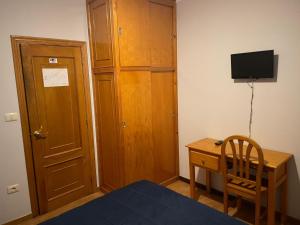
(133, 54)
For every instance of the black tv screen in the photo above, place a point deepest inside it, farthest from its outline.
(252, 65)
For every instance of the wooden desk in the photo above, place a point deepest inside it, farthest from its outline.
(205, 154)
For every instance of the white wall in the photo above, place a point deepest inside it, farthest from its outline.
(64, 19)
(212, 105)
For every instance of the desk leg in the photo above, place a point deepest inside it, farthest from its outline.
(271, 197)
(208, 181)
(192, 180)
(284, 194)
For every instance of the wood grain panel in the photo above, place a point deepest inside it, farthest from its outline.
(161, 33)
(133, 20)
(61, 123)
(100, 33)
(163, 125)
(109, 154)
(59, 186)
(135, 89)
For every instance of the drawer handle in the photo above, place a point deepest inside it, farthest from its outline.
(203, 162)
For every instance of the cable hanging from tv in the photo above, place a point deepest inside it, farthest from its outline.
(251, 106)
(252, 65)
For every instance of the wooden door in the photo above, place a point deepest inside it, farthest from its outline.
(135, 90)
(164, 125)
(100, 33)
(53, 77)
(162, 34)
(133, 30)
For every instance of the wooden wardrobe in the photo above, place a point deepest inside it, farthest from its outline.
(133, 55)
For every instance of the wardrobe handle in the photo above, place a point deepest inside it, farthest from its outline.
(120, 31)
(124, 125)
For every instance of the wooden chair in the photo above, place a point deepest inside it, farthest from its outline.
(237, 177)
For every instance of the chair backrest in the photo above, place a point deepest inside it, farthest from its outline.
(238, 150)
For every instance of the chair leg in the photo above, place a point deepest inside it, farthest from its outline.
(225, 201)
(238, 202)
(257, 210)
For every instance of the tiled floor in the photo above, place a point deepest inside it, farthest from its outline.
(213, 200)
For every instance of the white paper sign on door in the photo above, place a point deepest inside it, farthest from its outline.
(55, 77)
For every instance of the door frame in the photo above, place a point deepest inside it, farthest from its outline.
(16, 42)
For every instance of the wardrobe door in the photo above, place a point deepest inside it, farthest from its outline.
(107, 138)
(100, 33)
(162, 34)
(163, 91)
(133, 30)
(164, 125)
(135, 93)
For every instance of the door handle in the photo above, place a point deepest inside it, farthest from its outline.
(39, 133)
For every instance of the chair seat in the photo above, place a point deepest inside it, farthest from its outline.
(244, 186)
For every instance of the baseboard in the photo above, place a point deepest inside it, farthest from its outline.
(97, 189)
(170, 181)
(104, 189)
(290, 220)
(19, 220)
(201, 186)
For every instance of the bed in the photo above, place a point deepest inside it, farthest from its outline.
(143, 203)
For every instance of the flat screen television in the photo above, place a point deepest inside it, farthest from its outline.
(252, 65)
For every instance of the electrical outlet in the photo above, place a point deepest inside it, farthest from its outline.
(13, 189)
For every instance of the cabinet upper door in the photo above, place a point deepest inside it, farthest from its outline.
(100, 33)
(133, 31)
(162, 33)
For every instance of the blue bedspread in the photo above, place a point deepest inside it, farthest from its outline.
(143, 203)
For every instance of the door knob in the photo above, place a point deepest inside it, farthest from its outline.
(39, 134)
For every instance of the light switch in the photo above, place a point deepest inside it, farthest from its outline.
(8, 117)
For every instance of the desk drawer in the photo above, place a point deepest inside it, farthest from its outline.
(203, 160)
